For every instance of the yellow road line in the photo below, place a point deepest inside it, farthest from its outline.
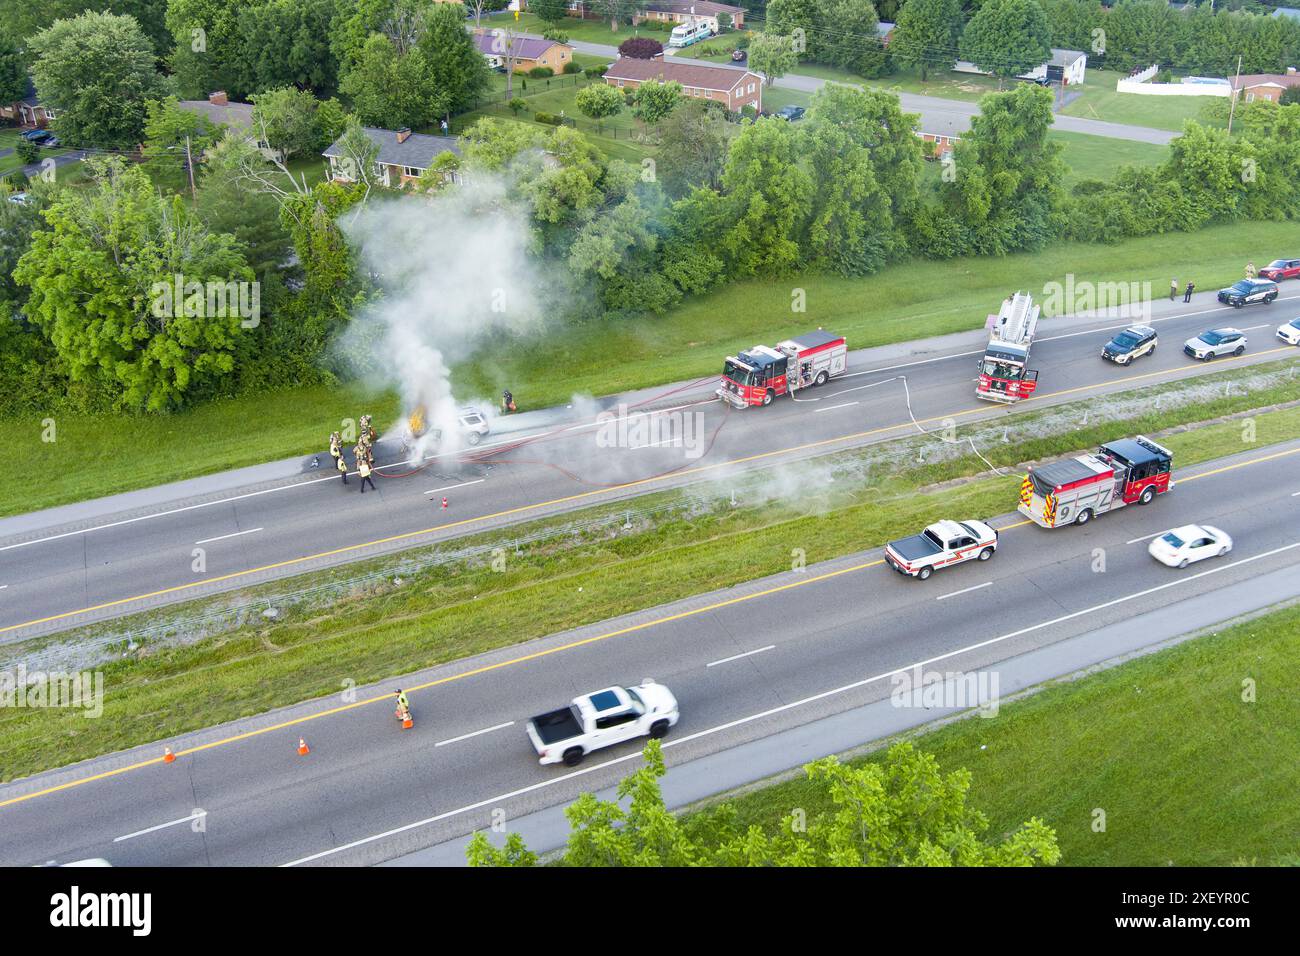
(486, 668)
(578, 497)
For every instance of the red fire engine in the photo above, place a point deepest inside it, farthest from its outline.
(1125, 472)
(1002, 373)
(761, 374)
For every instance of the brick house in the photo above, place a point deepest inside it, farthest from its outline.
(735, 89)
(400, 158)
(29, 111)
(1265, 86)
(529, 51)
(690, 11)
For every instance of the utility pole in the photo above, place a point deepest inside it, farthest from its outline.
(1232, 107)
(189, 166)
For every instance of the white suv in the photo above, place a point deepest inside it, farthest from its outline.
(1216, 342)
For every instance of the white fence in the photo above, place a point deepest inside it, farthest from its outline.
(1137, 83)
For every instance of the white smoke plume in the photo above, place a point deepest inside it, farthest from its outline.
(455, 274)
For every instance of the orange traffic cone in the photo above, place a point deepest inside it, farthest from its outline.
(407, 722)
(303, 749)
(444, 502)
(168, 756)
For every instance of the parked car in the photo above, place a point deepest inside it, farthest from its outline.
(51, 143)
(942, 544)
(1289, 332)
(1280, 269)
(1247, 291)
(1216, 342)
(21, 198)
(790, 113)
(37, 135)
(739, 56)
(602, 719)
(1133, 342)
(1187, 545)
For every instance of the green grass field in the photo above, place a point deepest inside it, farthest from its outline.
(1100, 101)
(1187, 772)
(463, 608)
(1097, 157)
(906, 301)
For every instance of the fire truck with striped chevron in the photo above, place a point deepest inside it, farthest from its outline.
(1124, 472)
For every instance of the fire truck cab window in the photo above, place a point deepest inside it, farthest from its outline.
(1000, 370)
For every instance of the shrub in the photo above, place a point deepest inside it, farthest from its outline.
(517, 105)
(556, 36)
(571, 68)
(595, 72)
(541, 72)
(550, 119)
(641, 48)
(27, 151)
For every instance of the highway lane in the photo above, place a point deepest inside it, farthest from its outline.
(745, 663)
(61, 576)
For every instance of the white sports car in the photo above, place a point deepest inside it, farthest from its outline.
(1191, 543)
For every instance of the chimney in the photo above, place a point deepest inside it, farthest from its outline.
(218, 98)
(403, 133)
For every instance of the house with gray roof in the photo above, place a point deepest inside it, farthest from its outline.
(219, 111)
(400, 157)
(525, 50)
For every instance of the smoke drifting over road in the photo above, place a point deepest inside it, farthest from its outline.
(454, 272)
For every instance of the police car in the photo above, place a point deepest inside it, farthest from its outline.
(1133, 342)
(1216, 342)
(1247, 291)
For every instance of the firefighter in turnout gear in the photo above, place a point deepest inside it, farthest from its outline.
(341, 463)
(367, 431)
(363, 469)
(336, 447)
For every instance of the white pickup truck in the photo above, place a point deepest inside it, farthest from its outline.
(602, 719)
(942, 544)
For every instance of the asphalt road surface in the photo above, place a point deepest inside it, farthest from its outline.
(57, 573)
(746, 664)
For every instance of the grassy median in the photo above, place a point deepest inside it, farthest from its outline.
(1187, 770)
(96, 455)
(461, 608)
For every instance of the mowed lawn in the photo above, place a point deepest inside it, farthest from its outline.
(1100, 101)
(906, 301)
(1098, 157)
(1187, 770)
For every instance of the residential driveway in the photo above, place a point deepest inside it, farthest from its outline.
(938, 115)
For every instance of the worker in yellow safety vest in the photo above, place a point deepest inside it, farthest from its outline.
(403, 706)
(363, 469)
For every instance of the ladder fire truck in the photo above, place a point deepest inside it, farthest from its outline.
(761, 374)
(1002, 373)
(1125, 472)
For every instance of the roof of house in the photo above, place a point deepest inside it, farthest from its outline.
(1291, 12)
(1065, 57)
(235, 115)
(694, 75)
(30, 96)
(700, 8)
(417, 151)
(1249, 81)
(884, 28)
(523, 46)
